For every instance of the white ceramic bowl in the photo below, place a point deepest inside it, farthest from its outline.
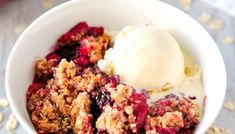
(114, 15)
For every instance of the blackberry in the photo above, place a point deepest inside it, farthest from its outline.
(103, 98)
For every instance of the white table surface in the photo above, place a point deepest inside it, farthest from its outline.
(17, 12)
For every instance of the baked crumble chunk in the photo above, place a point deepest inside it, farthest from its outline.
(70, 94)
(172, 114)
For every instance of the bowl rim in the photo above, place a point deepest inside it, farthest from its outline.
(62, 6)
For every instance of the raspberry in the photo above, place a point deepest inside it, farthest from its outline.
(138, 98)
(33, 88)
(81, 28)
(82, 50)
(140, 111)
(53, 56)
(164, 102)
(140, 108)
(167, 130)
(82, 61)
(65, 38)
(115, 80)
(95, 31)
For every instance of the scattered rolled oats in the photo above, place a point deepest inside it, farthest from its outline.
(216, 130)
(186, 4)
(216, 24)
(20, 28)
(47, 3)
(229, 105)
(204, 18)
(227, 40)
(3, 103)
(11, 123)
(1, 117)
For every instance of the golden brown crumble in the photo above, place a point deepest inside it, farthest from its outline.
(65, 72)
(168, 120)
(121, 93)
(86, 82)
(44, 67)
(111, 120)
(96, 46)
(120, 117)
(79, 112)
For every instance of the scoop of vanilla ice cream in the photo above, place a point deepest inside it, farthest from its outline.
(145, 57)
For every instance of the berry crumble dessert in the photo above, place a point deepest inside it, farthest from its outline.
(75, 90)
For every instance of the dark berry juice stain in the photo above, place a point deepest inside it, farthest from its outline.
(96, 112)
(68, 52)
(141, 131)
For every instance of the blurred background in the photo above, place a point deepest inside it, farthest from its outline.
(217, 16)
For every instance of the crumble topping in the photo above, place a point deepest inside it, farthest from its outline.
(172, 114)
(168, 120)
(111, 120)
(79, 112)
(121, 94)
(70, 94)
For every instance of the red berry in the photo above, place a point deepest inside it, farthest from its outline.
(83, 50)
(140, 111)
(161, 111)
(115, 80)
(82, 60)
(33, 88)
(81, 27)
(167, 130)
(65, 38)
(136, 98)
(96, 31)
(53, 56)
(140, 108)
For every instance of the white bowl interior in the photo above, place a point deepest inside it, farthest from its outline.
(114, 15)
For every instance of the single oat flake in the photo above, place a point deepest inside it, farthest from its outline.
(3, 102)
(186, 4)
(1, 117)
(20, 28)
(204, 18)
(216, 24)
(227, 40)
(229, 105)
(47, 3)
(11, 123)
